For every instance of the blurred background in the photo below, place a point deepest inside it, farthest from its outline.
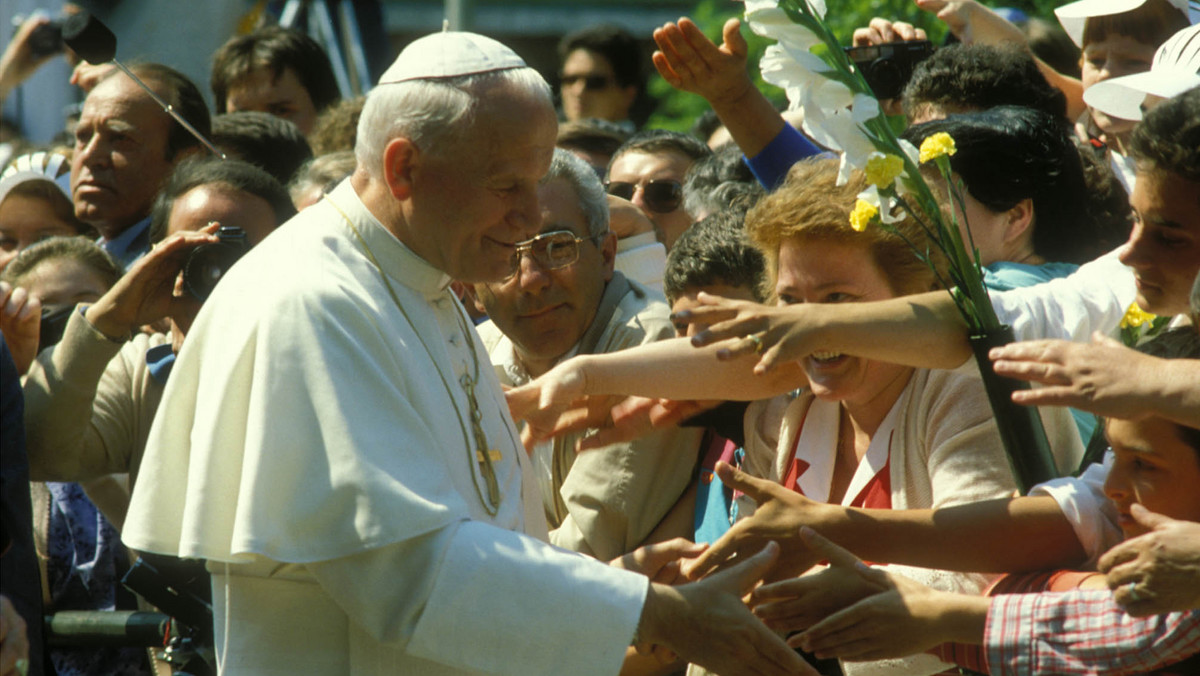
(367, 34)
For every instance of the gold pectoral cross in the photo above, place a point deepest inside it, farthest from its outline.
(485, 460)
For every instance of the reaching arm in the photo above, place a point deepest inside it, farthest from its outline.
(1103, 377)
(690, 62)
(924, 330)
(1003, 535)
(694, 374)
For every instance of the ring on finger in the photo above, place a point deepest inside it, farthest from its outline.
(1132, 591)
(756, 338)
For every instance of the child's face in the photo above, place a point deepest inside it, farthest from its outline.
(1155, 468)
(1114, 56)
(688, 301)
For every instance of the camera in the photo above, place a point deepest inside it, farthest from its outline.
(208, 263)
(47, 39)
(888, 67)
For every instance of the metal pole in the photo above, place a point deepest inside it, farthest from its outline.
(459, 14)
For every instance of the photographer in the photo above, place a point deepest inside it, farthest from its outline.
(90, 400)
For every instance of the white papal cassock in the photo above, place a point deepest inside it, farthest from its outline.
(307, 447)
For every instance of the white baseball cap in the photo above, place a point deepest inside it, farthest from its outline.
(1176, 69)
(450, 54)
(1074, 15)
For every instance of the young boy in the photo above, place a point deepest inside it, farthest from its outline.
(1157, 466)
(714, 256)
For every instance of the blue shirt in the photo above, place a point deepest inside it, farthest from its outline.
(130, 245)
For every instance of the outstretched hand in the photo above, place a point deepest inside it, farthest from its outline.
(21, 324)
(706, 623)
(902, 618)
(778, 517)
(660, 561)
(778, 333)
(1103, 377)
(690, 62)
(1163, 566)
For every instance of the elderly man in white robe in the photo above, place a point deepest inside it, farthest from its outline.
(335, 445)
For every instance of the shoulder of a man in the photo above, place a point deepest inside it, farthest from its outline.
(630, 314)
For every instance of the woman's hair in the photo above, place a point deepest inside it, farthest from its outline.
(811, 205)
(1150, 23)
(80, 249)
(1010, 153)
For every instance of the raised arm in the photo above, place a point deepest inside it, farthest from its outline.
(972, 22)
(690, 62)
(1002, 535)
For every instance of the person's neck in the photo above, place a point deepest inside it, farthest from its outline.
(111, 231)
(378, 200)
(866, 416)
(536, 367)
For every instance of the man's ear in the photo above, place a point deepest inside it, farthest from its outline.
(400, 159)
(608, 250)
(1019, 221)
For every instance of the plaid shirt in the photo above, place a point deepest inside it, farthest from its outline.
(1083, 632)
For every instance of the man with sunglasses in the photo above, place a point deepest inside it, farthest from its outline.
(648, 170)
(601, 75)
(564, 299)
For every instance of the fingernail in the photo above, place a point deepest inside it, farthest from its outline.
(681, 315)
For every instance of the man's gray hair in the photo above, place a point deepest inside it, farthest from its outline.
(430, 112)
(593, 201)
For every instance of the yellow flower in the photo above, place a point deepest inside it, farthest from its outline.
(862, 215)
(1135, 317)
(936, 146)
(882, 170)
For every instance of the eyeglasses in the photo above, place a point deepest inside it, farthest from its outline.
(660, 196)
(551, 250)
(591, 83)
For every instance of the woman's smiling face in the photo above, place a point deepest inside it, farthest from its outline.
(813, 270)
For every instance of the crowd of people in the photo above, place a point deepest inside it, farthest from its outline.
(474, 374)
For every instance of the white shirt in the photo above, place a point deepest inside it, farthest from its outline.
(319, 464)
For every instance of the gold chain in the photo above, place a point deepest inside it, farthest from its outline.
(483, 455)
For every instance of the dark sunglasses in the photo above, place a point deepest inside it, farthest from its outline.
(591, 83)
(659, 196)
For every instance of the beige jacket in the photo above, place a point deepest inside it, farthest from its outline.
(607, 501)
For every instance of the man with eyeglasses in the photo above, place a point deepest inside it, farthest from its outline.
(648, 170)
(564, 299)
(601, 75)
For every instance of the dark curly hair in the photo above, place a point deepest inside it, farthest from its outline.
(961, 78)
(715, 251)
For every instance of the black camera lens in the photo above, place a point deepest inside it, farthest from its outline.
(208, 263)
(887, 78)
